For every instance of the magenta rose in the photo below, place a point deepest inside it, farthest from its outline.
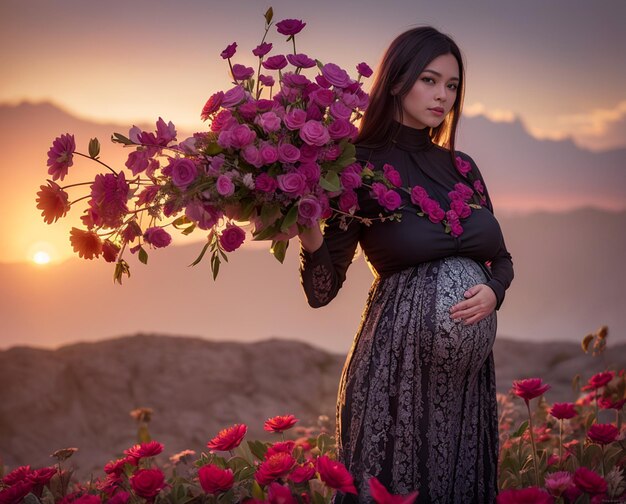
(336, 75)
(265, 183)
(431, 208)
(268, 154)
(184, 172)
(252, 155)
(241, 136)
(350, 180)
(314, 113)
(302, 473)
(314, 133)
(149, 449)
(392, 175)
(309, 210)
(241, 72)
(529, 388)
(290, 26)
(215, 480)
(232, 237)
(147, 483)
(295, 80)
(390, 200)
(589, 481)
(233, 96)
(418, 194)
(348, 202)
(322, 97)
(157, 237)
(461, 208)
(288, 153)
(247, 111)
(274, 467)
(230, 50)
(292, 183)
(364, 70)
(137, 161)
(277, 62)
(339, 110)
(225, 186)
(532, 495)
(262, 49)
(301, 60)
(463, 166)
(295, 119)
(339, 129)
(456, 229)
(221, 120)
(311, 172)
(309, 152)
(269, 121)
(465, 191)
(335, 475)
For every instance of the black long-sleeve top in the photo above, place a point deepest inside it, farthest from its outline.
(392, 246)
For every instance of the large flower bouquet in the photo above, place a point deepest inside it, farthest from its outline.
(278, 156)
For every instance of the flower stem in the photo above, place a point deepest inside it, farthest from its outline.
(97, 161)
(560, 443)
(532, 440)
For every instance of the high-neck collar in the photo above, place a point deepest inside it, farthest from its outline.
(412, 139)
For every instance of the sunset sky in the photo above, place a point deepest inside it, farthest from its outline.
(556, 65)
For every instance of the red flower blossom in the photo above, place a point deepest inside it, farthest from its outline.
(53, 202)
(119, 498)
(589, 481)
(290, 26)
(87, 243)
(228, 439)
(42, 476)
(382, 496)
(17, 474)
(599, 380)
(280, 494)
(60, 156)
(215, 480)
(280, 447)
(274, 467)
(603, 433)
(280, 423)
(110, 251)
(303, 473)
(563, 411)
(529, 389)
(147, 483)
(212, 105)
(335, 475)
(15, 493)
(109, 194)
(531, 495)
(117, 467)
(150, 449)
(541, 434)
(608, 403)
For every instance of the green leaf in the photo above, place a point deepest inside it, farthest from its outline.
(213, 149)
(330, 182)
(143, 255)
(279, 249)
(325, 443)
(269, 213)
(269, 14)
(94, 148)
(257, 491)
(318, 498)
(31, 498)
(202, 252)
(121, 269)
(180, 221)
(247, 209)
(290, 219)
(258, 449)
(118, 138)
(521, 429)
(189, 230)
(215, 265)
(266, 233)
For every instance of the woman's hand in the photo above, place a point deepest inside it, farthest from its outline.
(479, 303)
(311, 239)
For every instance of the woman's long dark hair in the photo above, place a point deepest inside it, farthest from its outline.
(405, 59)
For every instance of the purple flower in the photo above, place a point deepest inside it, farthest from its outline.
(269, 121)
(350, 179)
(232, 237)
(322, 81)
(308, 152)
(478, 185)
(241, 72)
(295, 119)
(311, 171)
(184, 172)
(242, 135)
(418, 194)
(165, 132)
(461, 208)
(301, 60)
(290, 26)
(157, 237)
(348, 202)
(456, 229)
(463, 166)
(364, 69)
(247, 110)
(230, 50)
(233, 97)
(277, 62)
(204, 215)
(60, 156)
(336, 75)
(295, 80)
(339, 111)
(224, 186)
(251, 154)
(268, 154)
(392, 175)
(109, 195)
(431, 208)
(389, 198)
(465, 191)
(265, 183)
(309, 211)
(314, 133)
(262, 49)
(322, 97)
(266, 80)
(339, 129)
(288, 153)
(137, 161)
(293, 184)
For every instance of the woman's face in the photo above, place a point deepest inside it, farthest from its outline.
(433, 94)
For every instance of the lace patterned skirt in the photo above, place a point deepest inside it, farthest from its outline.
(417, 398)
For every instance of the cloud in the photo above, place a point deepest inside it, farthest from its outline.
(495, 115)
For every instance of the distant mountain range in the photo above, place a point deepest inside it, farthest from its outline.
(81, 395)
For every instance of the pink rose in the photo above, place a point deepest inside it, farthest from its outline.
(529, 388)
(348, 202)
(231, 437)
(339, 129)
(465, 191)
(314, 113)
(241, 136)
(265, 183)
(309, 210)
(602, 433)
(274, 467)
(418, 194)
(233, 96)
(184, 172)
(225, 186)
(288, 153)
(204, 215)
(456, 229)
(589, 481)
(390, 200)
(295, 119)
(392, 175)
(149, 449)
(314, 133)
(339, 110)
(301, 60)
(350, 180)
(157, 237)
(269, 121)
(280, 494)
(309, 152)
(335, 475)
(350, 100)
(268, 154)
(225, 138)
(461, 208)
(277, 62)
(332, 153)
(336, 75)
(364, 70)
(232, 237)
(247, 110)
(323, 97)
(221, 120)
(290, 26)
(147, 483)
(478, 185)
(530, 494)
(262, 49)
(322, 81)
(252, 155)
(311, 172)
(463, 166)
(302, 473)
(293, 184)
(241, 72)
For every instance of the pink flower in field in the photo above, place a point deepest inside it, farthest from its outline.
(231, 238)
(147, 483)
(290, 26)
(556, 483)
(599, 380)
(364, 70)
(215, 480)
(335, 475)
(340, 111)
(269, 121)
(225, 186)
(139, 451)
(53, 202)
(563, 411)
(241, 72)
(382, 496)
(301, 60)
(589, 481)
(265, 183)
(18, 474)
(463, 166)
(233, 96)
(86, 243)
(280, 494)
(212, 105)
(348, 201)
(280, 447)
(288, 153)
(269, 154)
(277, 62)
(274, 467)
(295, 119)
(529, 388)
(392, 175)
(119, 498)
(303, 473)
(602, 433)
(61, 156)
(282, 423)
(228, 439)
(229, 52)
(262, 49)
(267, 80)
(608, 403)
(530, 495)
(184, 172)
(336, 75)
(157, 237)
(293, 184)
(314, 133)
